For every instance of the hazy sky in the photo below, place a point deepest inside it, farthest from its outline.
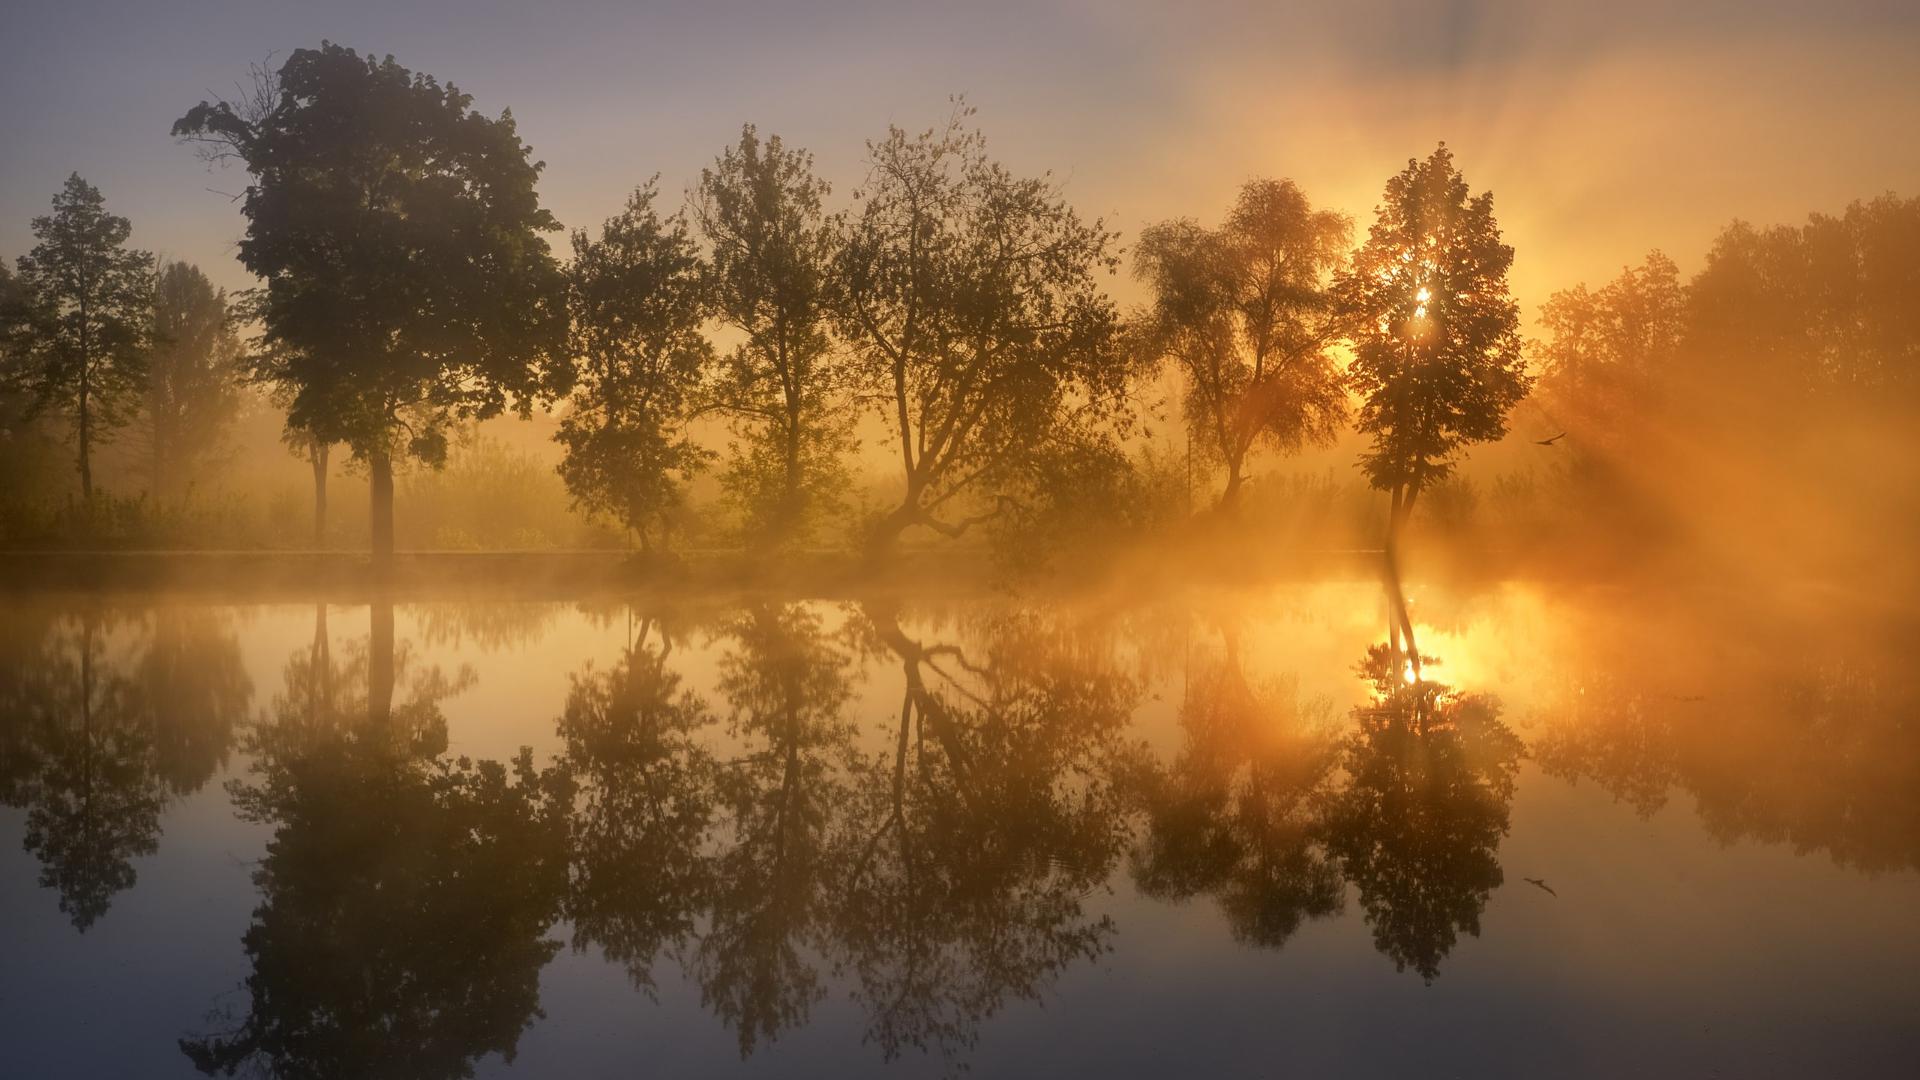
(1603, 128)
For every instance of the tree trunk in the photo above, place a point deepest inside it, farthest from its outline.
(380, 489)
(885, 538)
(1230, 498)
(317, 453)
(86, 450)
(790, 509)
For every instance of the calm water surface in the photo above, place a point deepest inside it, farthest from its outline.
(1605, 832)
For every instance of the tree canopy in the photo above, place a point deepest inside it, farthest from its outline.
(85, 310)
(981, 334)
(1436, 332)
(399, 236)
(1246, 313)
(772, 246)
(637, 297)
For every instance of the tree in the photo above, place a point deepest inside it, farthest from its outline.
(978, 325)
(1822, 309)
(1609, 350)
(1436, 338)
(86, 776)
(1247, 313)
(193, 391)
(770, 270)
(637, 299)
(88, 301)
(399, 235)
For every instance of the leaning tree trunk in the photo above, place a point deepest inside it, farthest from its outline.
(380, 491)
(1230, 497)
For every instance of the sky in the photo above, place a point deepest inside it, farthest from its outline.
(1603, 129)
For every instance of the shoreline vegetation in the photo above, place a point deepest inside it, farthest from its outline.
(933, 377)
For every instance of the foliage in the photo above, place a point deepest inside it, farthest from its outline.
(193, 392)
(759, 206)
(980, 332)
(1824, 308)
(1436, 341)
(1610, 350)
(398, 234)
(82, 327)
(637, 299)
(1246, 312)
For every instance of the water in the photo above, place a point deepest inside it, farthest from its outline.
(1205, 835)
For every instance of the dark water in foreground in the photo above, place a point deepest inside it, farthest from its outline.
(1190, 837)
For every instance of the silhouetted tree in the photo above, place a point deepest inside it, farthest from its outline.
(1246, 312)
(103, 720)
(978, 326)
(772, 251)
(1436, 340)
(193, 391)
(87, 322)
(637, 299)
(398, 233)
(1815, 309)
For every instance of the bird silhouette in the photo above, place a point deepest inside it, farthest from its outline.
(1550, 442)
(1542, 885)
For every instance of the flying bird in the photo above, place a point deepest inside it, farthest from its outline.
(1550, 442)
(1542, 885)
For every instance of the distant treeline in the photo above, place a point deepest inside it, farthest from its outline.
(754, 333)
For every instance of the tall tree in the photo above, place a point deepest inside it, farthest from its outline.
(88, 300)
(399, 235)
(1247, 312)
(637, 299)
(771, 263)
(193, 390)
(1436, 336)
(978, 323)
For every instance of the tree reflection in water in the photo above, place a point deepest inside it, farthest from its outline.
(1418, 824)
(103, 718)
(1274, 812)
(405, 898)
(781, 797)
(639, 870)
(993, 815)
(1236, 814)
(769, 842)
